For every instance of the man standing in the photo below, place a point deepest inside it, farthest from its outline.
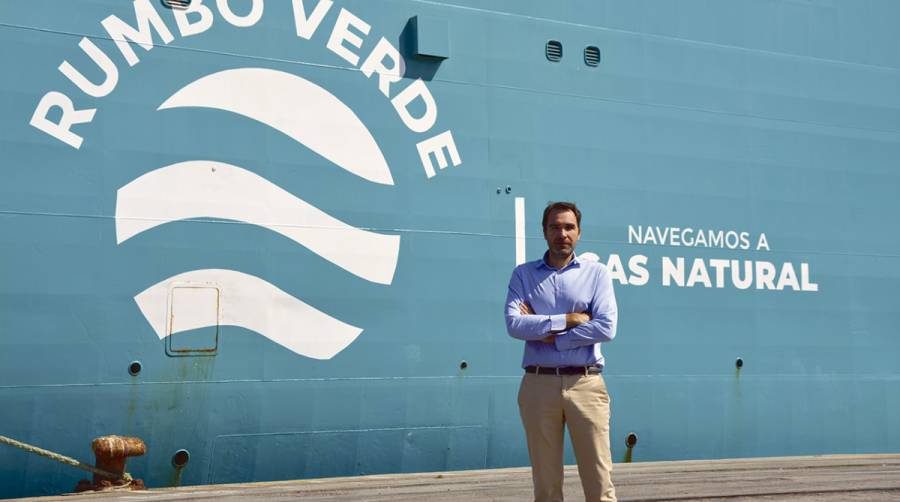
(564, 308)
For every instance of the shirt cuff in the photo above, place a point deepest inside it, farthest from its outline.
(557, 322)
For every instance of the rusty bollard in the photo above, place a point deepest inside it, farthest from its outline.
(111, 453)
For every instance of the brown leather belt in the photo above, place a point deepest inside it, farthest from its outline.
(564, 370)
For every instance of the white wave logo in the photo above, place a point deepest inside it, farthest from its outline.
(201, 188)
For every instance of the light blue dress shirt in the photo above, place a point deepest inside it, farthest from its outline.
(580, 286)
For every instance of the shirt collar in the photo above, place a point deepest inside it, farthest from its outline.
(574, 263)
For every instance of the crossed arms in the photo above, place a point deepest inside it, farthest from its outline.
(565, 331)
(572, 319)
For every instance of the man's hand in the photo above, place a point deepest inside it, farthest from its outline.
(575, 318)
(549, 339)
(525, 309)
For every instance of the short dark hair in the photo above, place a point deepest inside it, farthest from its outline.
(560, 206)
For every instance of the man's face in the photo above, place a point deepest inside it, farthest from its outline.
(561, 232)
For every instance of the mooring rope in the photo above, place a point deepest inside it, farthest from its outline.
(64, 459)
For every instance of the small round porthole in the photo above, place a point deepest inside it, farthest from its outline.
(631, 440)
(463, 365)
(134, 368)
(180, 458)
(739, 363)
(553, 51)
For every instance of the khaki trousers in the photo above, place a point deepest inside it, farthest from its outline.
(547, 403)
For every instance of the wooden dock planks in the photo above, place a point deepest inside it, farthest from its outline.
(869, 478)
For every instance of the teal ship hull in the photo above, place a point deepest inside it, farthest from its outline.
(278, 235)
